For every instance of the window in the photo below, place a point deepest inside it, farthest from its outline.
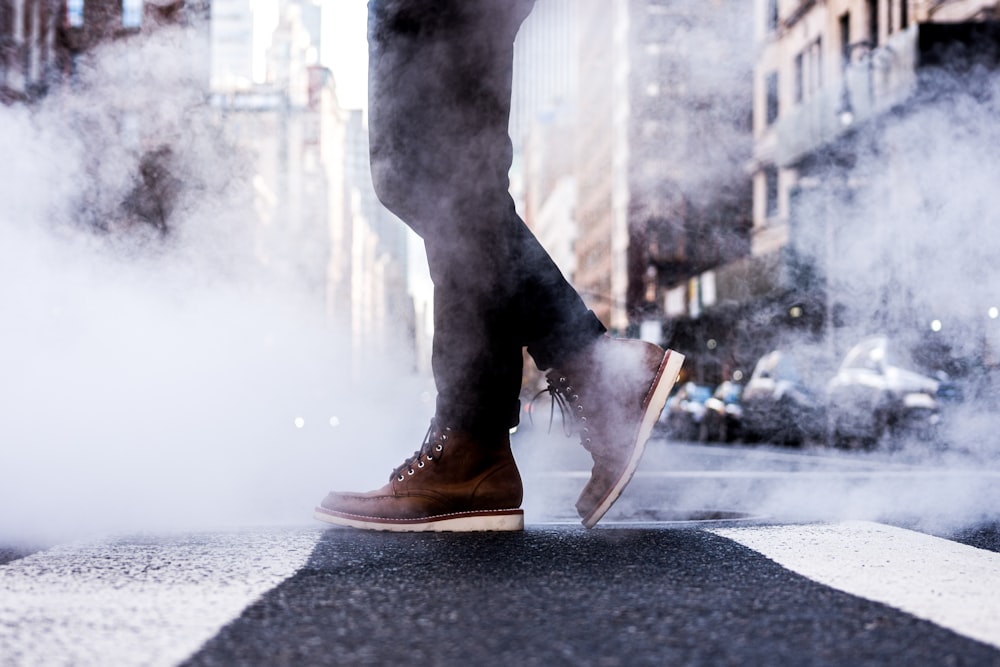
(808, 71)
(772, 97)
(772, 16)
(873, 21)
(74, 13)
(845, 37)
(799, 78)
(131, 13)
(771, 192)
(904, 14)
(817, 64)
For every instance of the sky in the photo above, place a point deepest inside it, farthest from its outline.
(346, 44)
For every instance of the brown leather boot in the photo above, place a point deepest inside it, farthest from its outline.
(615, 390)
(454, 482)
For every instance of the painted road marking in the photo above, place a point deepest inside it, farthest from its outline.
(156, 601)
(950, 584)
(138, 602)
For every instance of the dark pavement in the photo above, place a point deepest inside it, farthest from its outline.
(646, 587)
(562, 595)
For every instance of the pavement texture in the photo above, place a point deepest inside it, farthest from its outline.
(8, 554)
(565, 596)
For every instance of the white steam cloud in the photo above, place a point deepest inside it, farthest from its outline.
(164, 381)
(908, 242)
(152, 381)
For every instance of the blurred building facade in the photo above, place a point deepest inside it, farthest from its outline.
(41, 41)
(634, 166)
(543, 111)
(386, 319)
(831, 81)
(47, 48)
(232, 31)
(28, 48)
(318, 221)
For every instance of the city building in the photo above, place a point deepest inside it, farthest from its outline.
(545, 66)
(542, 121)
(232, 54)
(662, 192)
(848, 97)
(28, 48)
(318, 223)
(41, 41)
(83, 56)
(550, 189)
(387, 320)
(631, 128)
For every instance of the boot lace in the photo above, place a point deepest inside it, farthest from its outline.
(567, 399)
(430, 450)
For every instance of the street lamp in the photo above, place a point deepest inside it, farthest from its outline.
(845, 112)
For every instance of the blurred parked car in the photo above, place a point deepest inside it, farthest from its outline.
(780, 401)
(681, 417)
(723, 418)
(877, 396)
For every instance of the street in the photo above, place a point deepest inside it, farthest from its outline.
(250, 249)
(667, 578)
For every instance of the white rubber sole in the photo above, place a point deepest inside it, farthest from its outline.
(459, 522)
(659, 391)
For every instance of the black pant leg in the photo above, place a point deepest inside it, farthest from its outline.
(439, 85)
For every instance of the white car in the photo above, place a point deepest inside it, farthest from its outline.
(875, 397)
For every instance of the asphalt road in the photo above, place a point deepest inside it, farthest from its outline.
(565, 596)
(715, 556)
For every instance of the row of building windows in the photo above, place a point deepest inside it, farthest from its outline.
(807, 69)
(808, 66)
(131, 15)
(898, 12)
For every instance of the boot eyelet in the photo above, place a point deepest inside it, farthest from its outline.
(429, 457)
(438, 448)
(583, 419)
(420, 464)
(587, 441)
(410, 471)
(400, 478)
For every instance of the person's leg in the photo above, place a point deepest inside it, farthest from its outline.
(440, 78)
(440, 102)
(440, 89)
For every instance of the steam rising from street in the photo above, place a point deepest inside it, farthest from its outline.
(157, 381)
(909, 242)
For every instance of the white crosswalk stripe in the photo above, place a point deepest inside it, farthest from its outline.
(150, 601)
(132, 602)
(950, 584)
